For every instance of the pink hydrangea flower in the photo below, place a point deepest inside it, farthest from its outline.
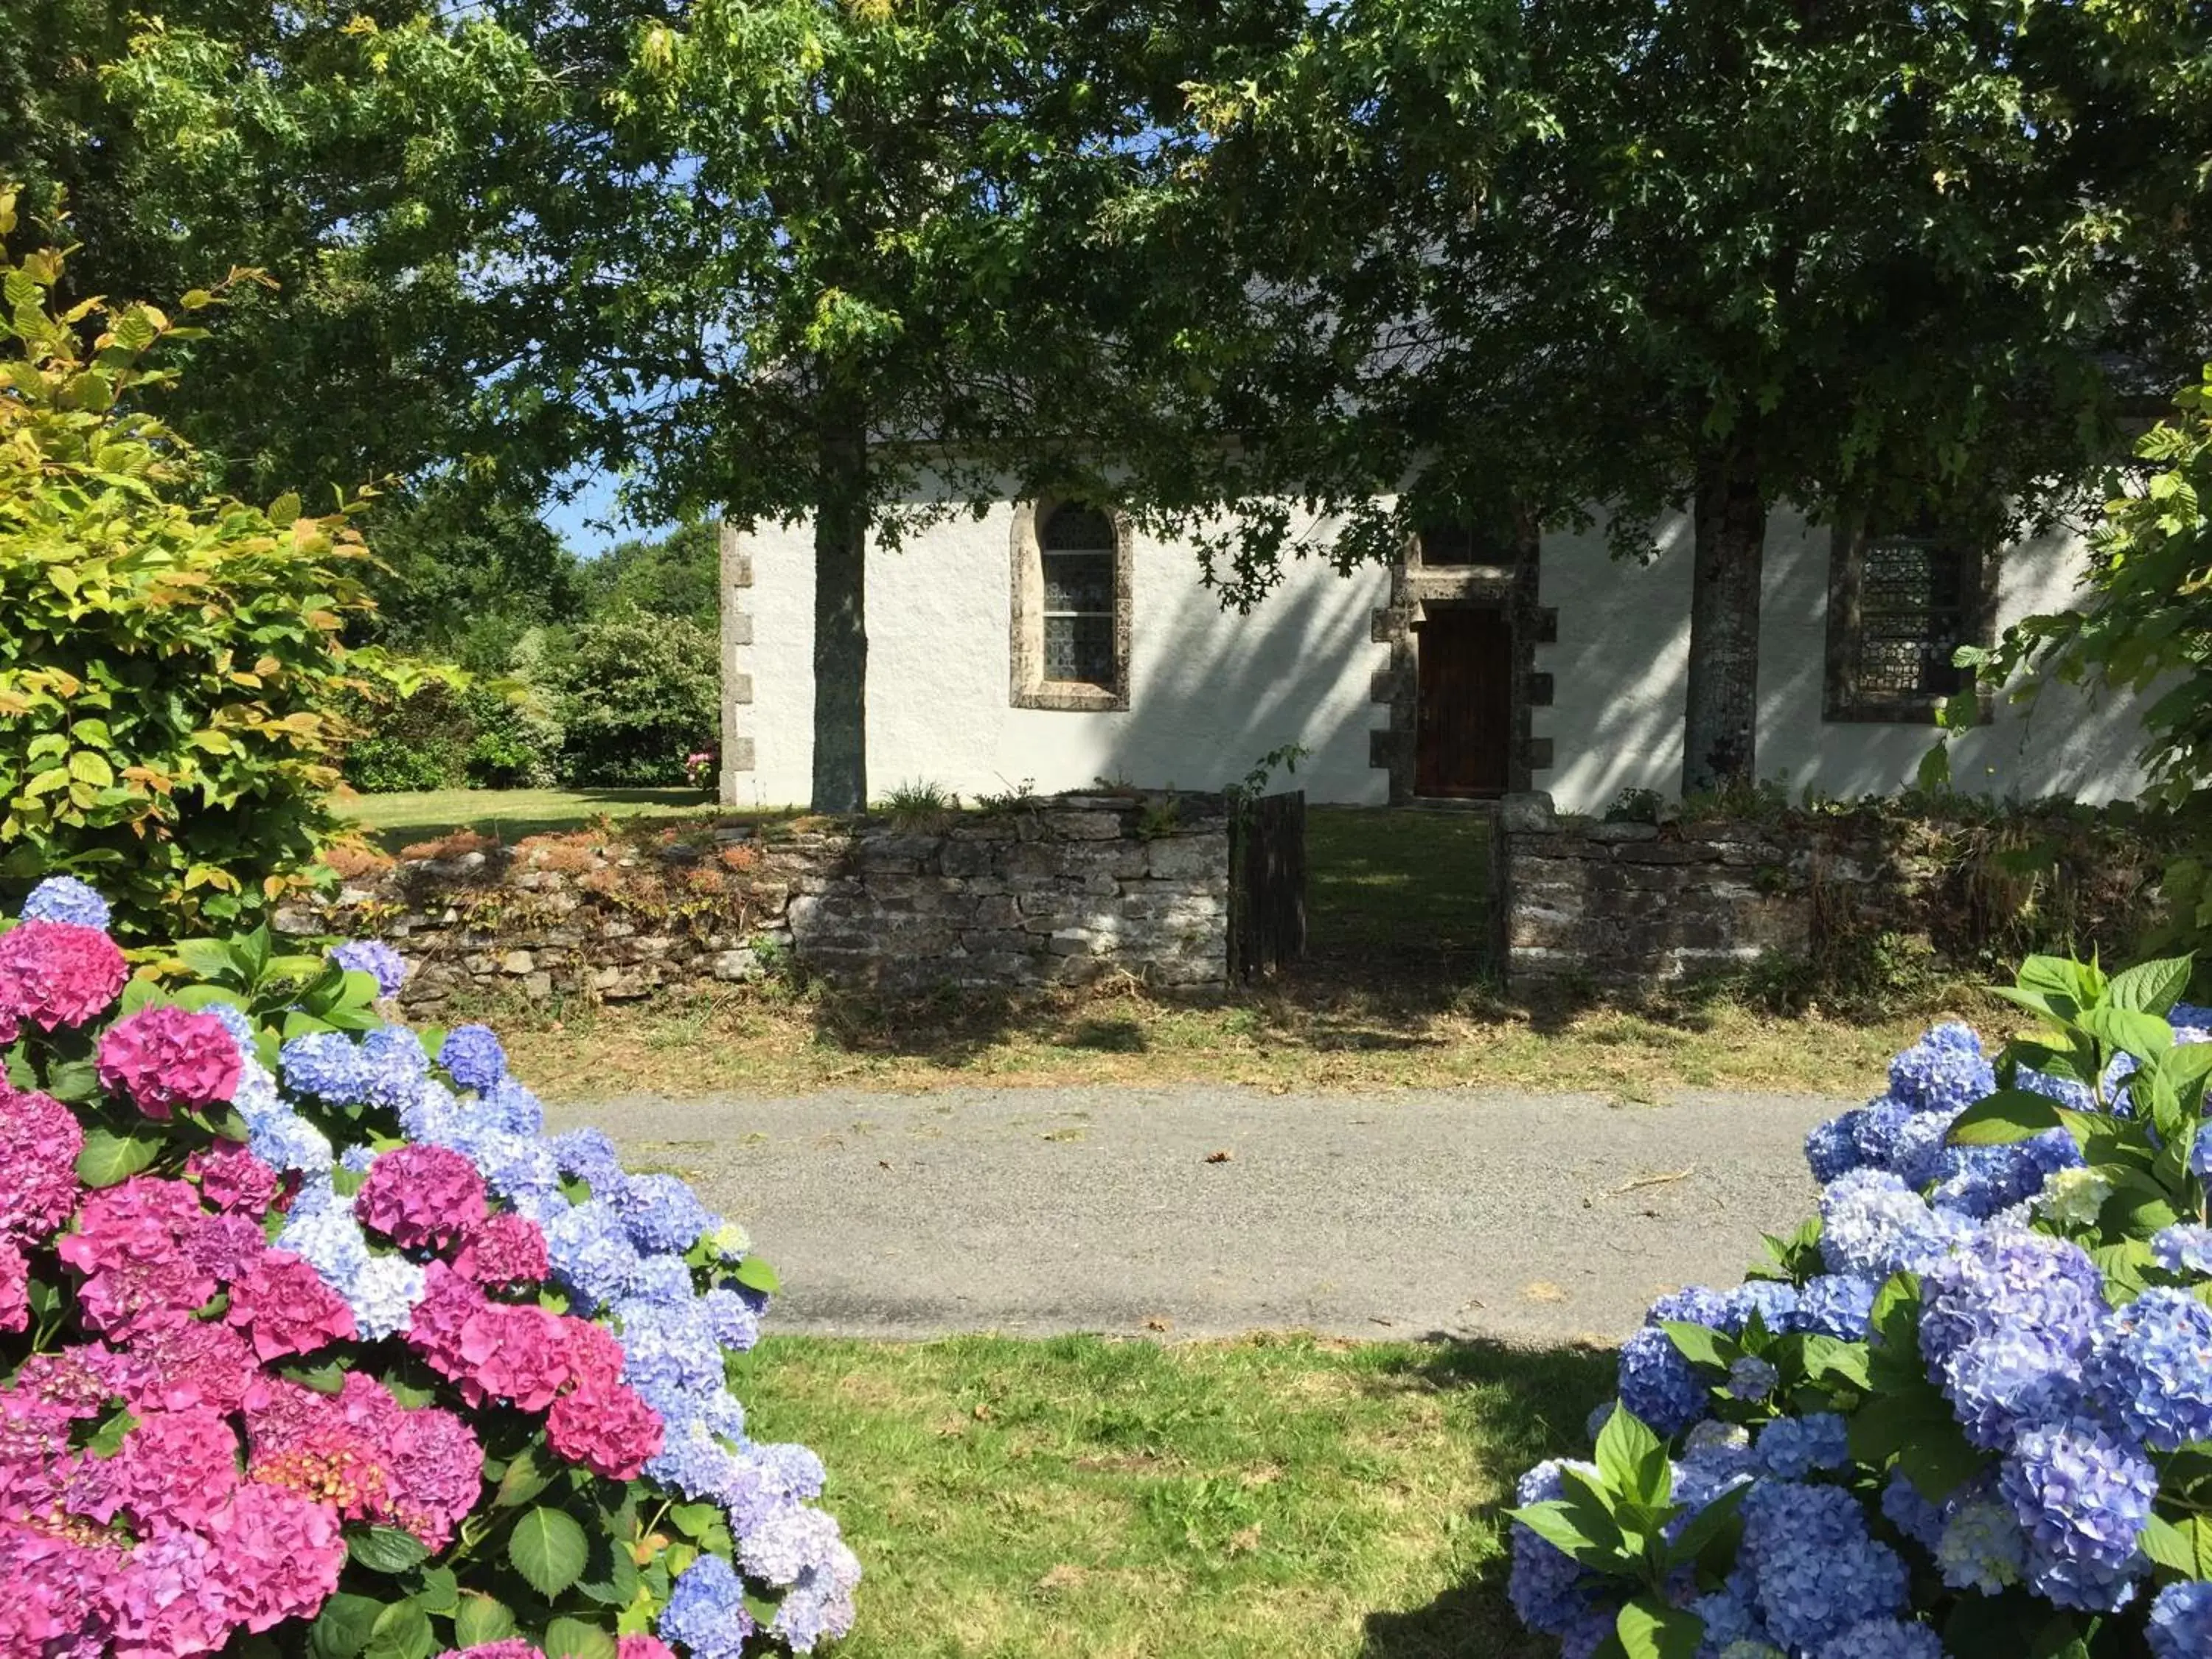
(642, 1647)
(37, 1465)
(509, 1647)
(166, 1599)
(163, 1057)
(132, 1245)
(233, 1179)
(286, 1309)
(611, 1433)
(490, 1350)
(14, 1289)
(195, 1363)
(40, 1140)
(434, 1467)
(68, 1377)
(421, 1196)
(57, 972)
(277, 1555)
(173, 1470)
(227, 1246)
(502, 1251)
(55, 1607)
(595, 1356)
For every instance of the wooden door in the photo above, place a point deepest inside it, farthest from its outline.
(1465, 697)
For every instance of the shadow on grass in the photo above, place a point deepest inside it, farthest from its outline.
(1536, 1404)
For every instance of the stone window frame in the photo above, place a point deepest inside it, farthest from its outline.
(1844, 700)
(1028, 688)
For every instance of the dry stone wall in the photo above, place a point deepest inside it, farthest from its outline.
(1622, 905)
(1064, 890)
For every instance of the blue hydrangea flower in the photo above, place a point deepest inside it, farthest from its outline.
(1751, 1379)
(1730, 1614)
(662, 1213)
(2150, 1369)
(589, 1156)
(692, 1460)
(472, 1058)
(2076, 1096)
(1658, 1385)
(64, 898)
(1875, 1127)
(515, 1108)
(1717, 1457)
(2081, 1495)
(1943, 1072)
(1549, 1590)
(233, 1019)
(1982, 1181)
(394, 1068)
(1817, 1570)
(1885, 1638)
(2200, 1156)
(669, 1352)
(1837, 1305)
(706, 1614)
(1829, 1151)
(325, 1066)
(662, 1278)
(1873, 1225)
(357, 1159)
(1914, 1516)
(1922, 1156)
(383, 1295)
(2184, 1247)
(1791, 1447)
(286, 1141)
(329, 1240)
(1983, 1548)
(1774, 1301)
(1693, 1304)
(375, 958)
(590, 1254)
(2181, 1621)
(2005, 1279)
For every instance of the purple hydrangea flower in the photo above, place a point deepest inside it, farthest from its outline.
(1885, 1638)
(375, 958)
(1914, 1516)
(2005, 1324)
(1751, 1379)
(2081, 1495)
(394, 1068)
(661, 1212)
(2184, 1247)
(1872, 1224)
(1774, 1301)
(706, 1614)
(1817, 1570)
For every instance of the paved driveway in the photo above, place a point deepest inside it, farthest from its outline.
(1205, 1210)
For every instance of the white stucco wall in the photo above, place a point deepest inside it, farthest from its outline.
(1619, 673)
(1211, 691)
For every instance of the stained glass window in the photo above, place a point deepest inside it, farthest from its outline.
(1076, 548)
(1913, 613)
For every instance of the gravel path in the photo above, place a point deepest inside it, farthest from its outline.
(1527, 1217)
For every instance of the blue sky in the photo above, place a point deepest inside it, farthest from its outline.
(573, 519)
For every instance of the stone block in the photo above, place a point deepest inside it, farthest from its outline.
(1616, 833)
(738, 966)
(1662, 852)
(1084, 825)
(517, 963)
(1527, 813)
(1187, 855)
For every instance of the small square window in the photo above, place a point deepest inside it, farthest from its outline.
(1899, 606)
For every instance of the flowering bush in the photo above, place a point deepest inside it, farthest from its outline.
(311, 1342)
(1966, 1410)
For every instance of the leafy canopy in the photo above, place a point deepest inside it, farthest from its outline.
(168, 665)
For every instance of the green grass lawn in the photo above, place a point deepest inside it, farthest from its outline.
(394, 821)
(1382, 880)
(1113, 1499)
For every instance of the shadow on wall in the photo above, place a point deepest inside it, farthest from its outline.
(1220, 690)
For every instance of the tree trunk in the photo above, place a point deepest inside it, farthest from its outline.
(1720, 728)
(840, 616)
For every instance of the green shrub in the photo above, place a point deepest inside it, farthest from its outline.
(170, 669)
(635, 695)
(516, 738)
(408, 740)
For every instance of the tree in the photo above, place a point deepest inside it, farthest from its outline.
(1841, 252)
(677, 575)
(466, 572)
(805, 259)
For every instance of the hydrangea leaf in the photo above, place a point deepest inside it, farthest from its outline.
(481, 1618)
(2169, 1546)
(2151, 988)
(756, 1275)
(1633, 1460)
(74, 1082)
(548, 1549)
(341, 1629)
(109, 1159)
(1701, 1345)
(1557, 1525)
(571, 1638)
(402, 1630)
(385, 1549)
(525, 1478)
(1650, 1629)
(440, 1591)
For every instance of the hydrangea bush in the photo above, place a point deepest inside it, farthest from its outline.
(311, 1342)
(1966, 1410)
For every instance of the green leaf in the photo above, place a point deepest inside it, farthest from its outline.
(481, 1618)
(73, 1081)
(2151, 988)
(1829, 1356)
(1557, 1524)
(385, 1549)
(109, 1159)
(2168, 1545)
(2006, 1117)
(1701, 1345)
(695, 1520)
(571, 1638)
(1650, 1629)
(440, 1591)
(107, 1439)
(1633, 1459)
(2143, 1036)
(756, 1275)
(525, 1478)
(617, 1586)
(341, 1629)
(548, 1549)
(209, 958)
(402, 1632)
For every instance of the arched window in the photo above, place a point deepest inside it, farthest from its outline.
(1072, 608)
(1076, 547)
